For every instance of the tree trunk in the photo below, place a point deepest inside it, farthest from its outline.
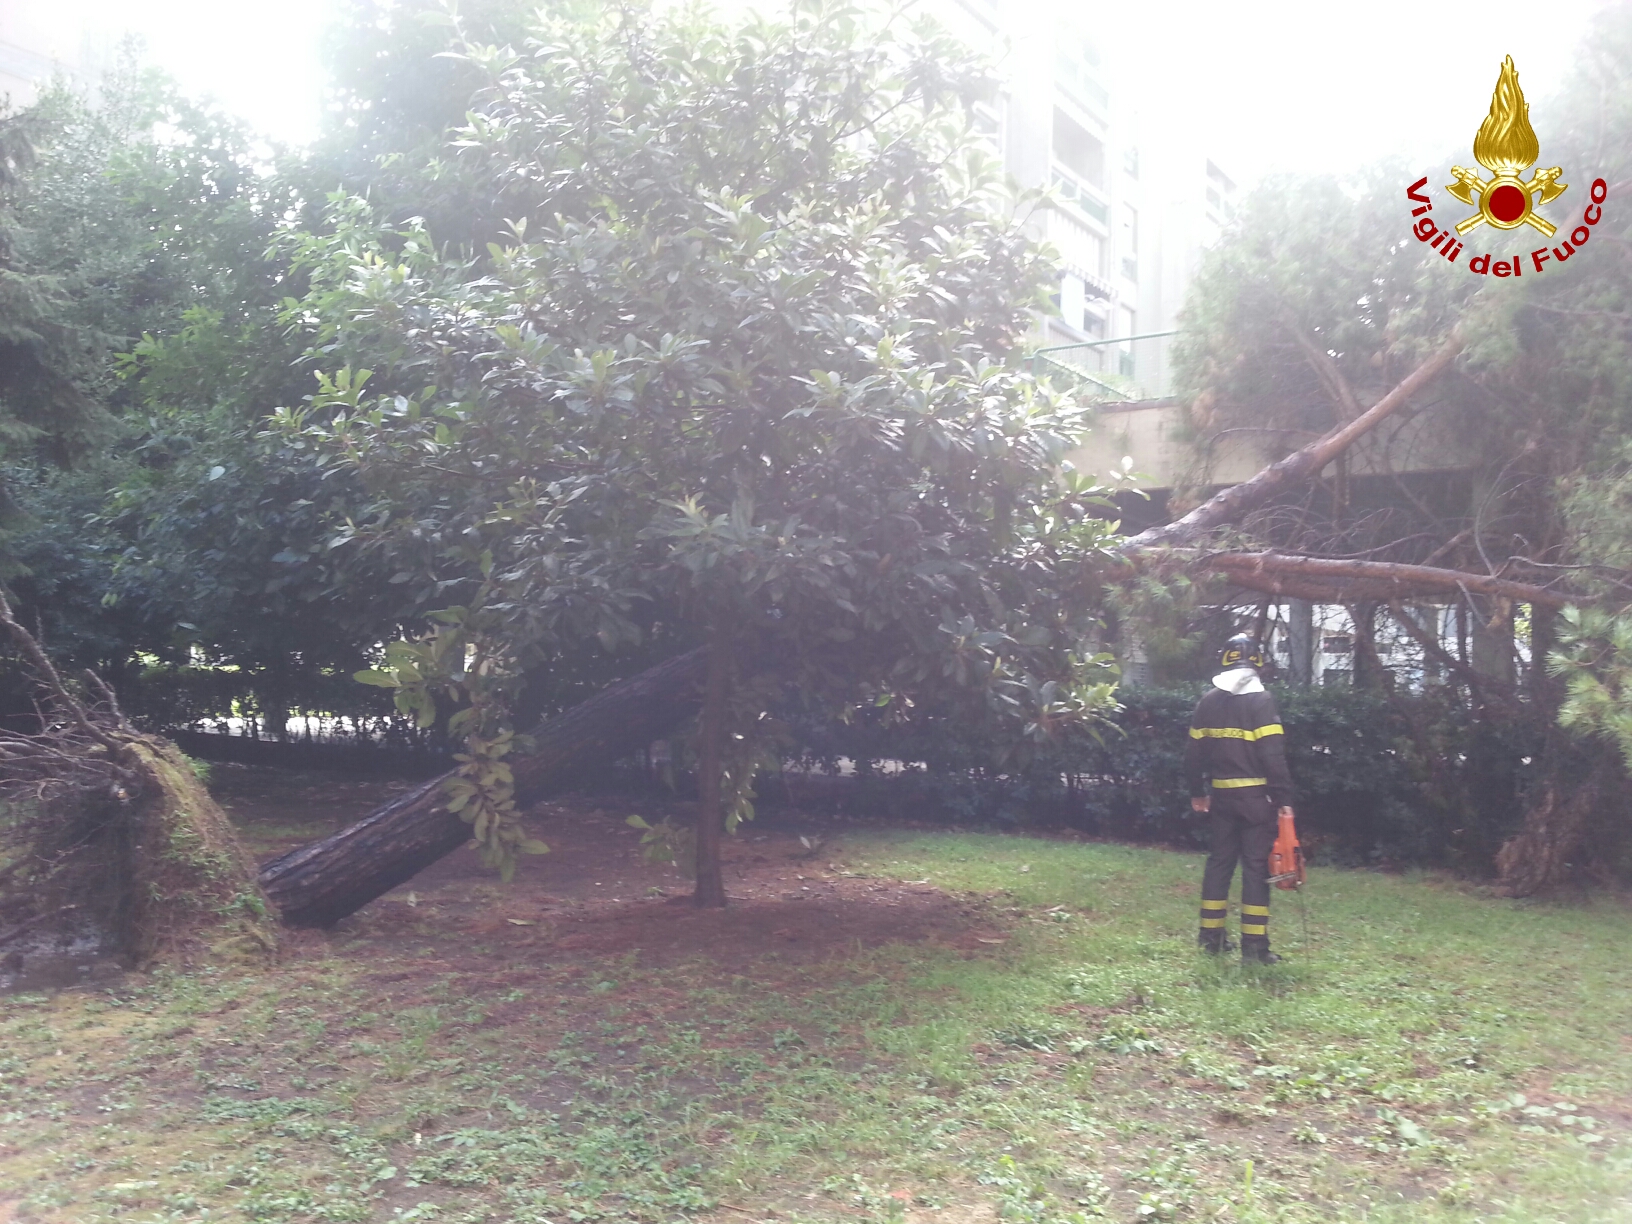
(320, 883)
(1493, 640)
(1369, 673)
(710, 890)
(1300, 642)
(1544, 689)
(1538, 856)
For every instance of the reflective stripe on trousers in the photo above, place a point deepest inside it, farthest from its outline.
(1242, 829)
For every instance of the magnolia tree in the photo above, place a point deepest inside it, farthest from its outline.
(738, 369)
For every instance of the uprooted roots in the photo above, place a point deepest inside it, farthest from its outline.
(107, 834)
(1540, 854)
(130, 852)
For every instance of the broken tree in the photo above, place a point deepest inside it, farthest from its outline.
(321, 883)
(318, 884)
(111, 837)
(1554, 825)
(1326, 579)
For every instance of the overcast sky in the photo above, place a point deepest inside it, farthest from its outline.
(1316, 87)
(1291, 85)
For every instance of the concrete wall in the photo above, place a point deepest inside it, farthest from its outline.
(41, 39)
(1158, 437)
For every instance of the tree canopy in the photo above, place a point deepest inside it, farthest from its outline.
(738, 373)
(606, 331)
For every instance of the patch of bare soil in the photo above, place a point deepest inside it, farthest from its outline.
(277, 809)
(595, 894)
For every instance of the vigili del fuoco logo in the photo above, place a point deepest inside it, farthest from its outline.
(1506, 145)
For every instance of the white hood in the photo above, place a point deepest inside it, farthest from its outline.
(1239, 680)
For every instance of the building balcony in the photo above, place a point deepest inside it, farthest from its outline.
(1080, 195)
(1082, 251)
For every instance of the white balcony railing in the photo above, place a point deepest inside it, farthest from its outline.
(1123, 369)
(1081, 195)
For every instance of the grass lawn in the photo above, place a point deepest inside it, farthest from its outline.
(908, 1026)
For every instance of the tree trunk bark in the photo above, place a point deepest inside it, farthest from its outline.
(710, 890)
(1369, 673)
(1300, 642)
(1339, 580)
(319, 884)
(1539, 855)
(1544, 688)
(1493, 640)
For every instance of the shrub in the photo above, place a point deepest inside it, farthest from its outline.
(1403, 778)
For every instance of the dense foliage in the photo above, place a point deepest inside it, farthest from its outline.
(1320, 299)
(1415, 779)
(695, 331)
(737, 373)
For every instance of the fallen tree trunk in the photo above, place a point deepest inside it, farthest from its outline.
(1230, 505)
(1340, 580)
(319, 884)
(1322, 579)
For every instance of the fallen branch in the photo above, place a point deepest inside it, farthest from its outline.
(318, 884)
(1485, 686)
(1233, 503)
(1333, 580)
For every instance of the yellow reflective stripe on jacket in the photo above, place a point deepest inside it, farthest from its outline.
(1227, 783)
(1240, 733)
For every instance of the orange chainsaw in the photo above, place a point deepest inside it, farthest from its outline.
(1286, 856)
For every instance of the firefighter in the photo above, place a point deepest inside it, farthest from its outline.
(1236, 763)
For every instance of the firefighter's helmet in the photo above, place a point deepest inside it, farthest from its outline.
(1242, 650)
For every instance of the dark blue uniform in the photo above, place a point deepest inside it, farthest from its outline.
(1236, 758)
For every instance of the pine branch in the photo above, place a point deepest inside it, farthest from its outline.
(1230, 505)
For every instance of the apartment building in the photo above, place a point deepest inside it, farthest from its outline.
(1137, 199)
(41, 40)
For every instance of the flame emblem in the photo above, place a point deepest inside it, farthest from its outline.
(1506, 146)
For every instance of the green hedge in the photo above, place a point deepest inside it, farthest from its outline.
(1402, 779)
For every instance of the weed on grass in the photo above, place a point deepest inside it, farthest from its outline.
(1051, 1050)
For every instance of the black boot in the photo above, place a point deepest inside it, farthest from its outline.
(1214, 943)
(1255, 953)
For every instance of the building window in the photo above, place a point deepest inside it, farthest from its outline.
(987, 120)
(1074, 192)
(1076, 70)
(1072, 301)
(1128, 323)
(1128, 241)
(1220, 194)
(1079, 151)
(1130, 162)
(1093, 249)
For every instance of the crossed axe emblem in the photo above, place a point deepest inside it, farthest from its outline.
(1507, 201)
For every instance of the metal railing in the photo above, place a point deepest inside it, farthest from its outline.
(1140, 373)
